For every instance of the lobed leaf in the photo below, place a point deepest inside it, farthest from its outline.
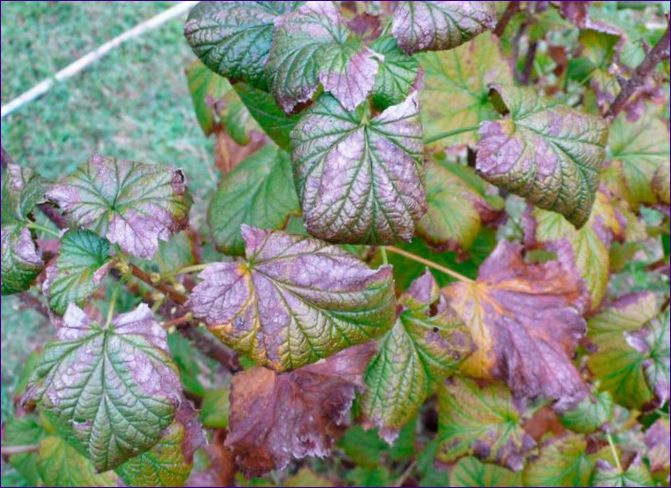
(456, 88)
(636, 474)
(545, 152)
(427, 343)
(294, 300)
(114, 387)
(359, 180)
(83, 261)
(259, 191)
(482, 421)
(526, 320)
(233, 39)
(434, 26)
(277, 417)
(469, 471)
(60, 464)
(396, 76)
(312, 45)
(131, 204)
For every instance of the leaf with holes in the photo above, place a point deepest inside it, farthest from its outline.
(359, 179)
(526, 320)
(259, 191)
(312, 45)
(131, 204)
(482, 421)
(434, 26)
(114, 386)
(294, 300)
(427, 343)
(83, 261)
(21, 259)
(234, 38)
(60, 464)
(396, 76)
(543, 151)
(456, 88)
(275, 417)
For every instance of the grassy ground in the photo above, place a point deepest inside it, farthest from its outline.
(132, 104)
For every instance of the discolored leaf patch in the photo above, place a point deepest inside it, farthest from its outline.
(277, 417)
(294, 300)
(131, 204)
(60, 464)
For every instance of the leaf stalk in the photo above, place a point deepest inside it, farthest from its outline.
(430, 264)
(450, 133)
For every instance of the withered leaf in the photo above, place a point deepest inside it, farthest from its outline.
(427, 342)
(658, 441)
(294, 300)
(546, 152)
(277, 417)
(433, 26)
(526, 320)
(359, 179)
(132, 204)
(113, 387)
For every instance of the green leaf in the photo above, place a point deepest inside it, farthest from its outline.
(114, 387)
(396, 75)
(456, 91)
(312, 45)
(82, 263)
(22, 190)
(589, 414)
(306, 477)
(363, 447)
(598, 47)
(294, 300)
(484, 422)
(455, 209)
(427, 342)
(59, 464)
(617, 365)
(374, 476)
(359, 179)
(434, 26)
(216, 103)
(259, 191)
(185, 356)
(132, 204)
(637, 150)
(234, 38)
(215, 408)
(23, 431)
(469, 471)
(637, 474)
(544, 151)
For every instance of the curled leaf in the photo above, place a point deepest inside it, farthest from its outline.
(311, 45)
(114, 387)
(234, 38)
(275, 417)
(545, 152)
(427, 343)
(294, 300)
(526, 320)
(434, 26)
(132, 204)
(360, 180)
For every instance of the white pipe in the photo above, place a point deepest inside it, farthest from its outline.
(74, 68)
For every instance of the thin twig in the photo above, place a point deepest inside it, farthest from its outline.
(184, 319)
(528, 63)
(614, 452)
(168, 290)
(508, 13)
(31, 302)
(656, 55)
(10, 450)
(211, 347)
(407, 472)
(428, 263)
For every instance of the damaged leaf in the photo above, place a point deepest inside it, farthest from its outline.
(526, 320)
(233, 38)
(294, 301)
(543, 151)
(359, 179)
(312, 45)
(427, 343)
(131, 204)
(277, 417)
(481, 421)
(114, 386)
(434, 26)
(83, 261)
(259, 191)
(456, 88)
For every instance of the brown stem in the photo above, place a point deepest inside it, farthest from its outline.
(164, 288)
(528, 63)
(54, 215)
(511, 9)
(184, 319)
(10, 450)
(6, 158)
(211, 347)
(656, 55)
(29, 301)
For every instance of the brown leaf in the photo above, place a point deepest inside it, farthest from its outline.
(526, 320)
(221, 470)
(275, 417)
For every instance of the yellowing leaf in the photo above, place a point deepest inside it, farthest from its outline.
(59, 464)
